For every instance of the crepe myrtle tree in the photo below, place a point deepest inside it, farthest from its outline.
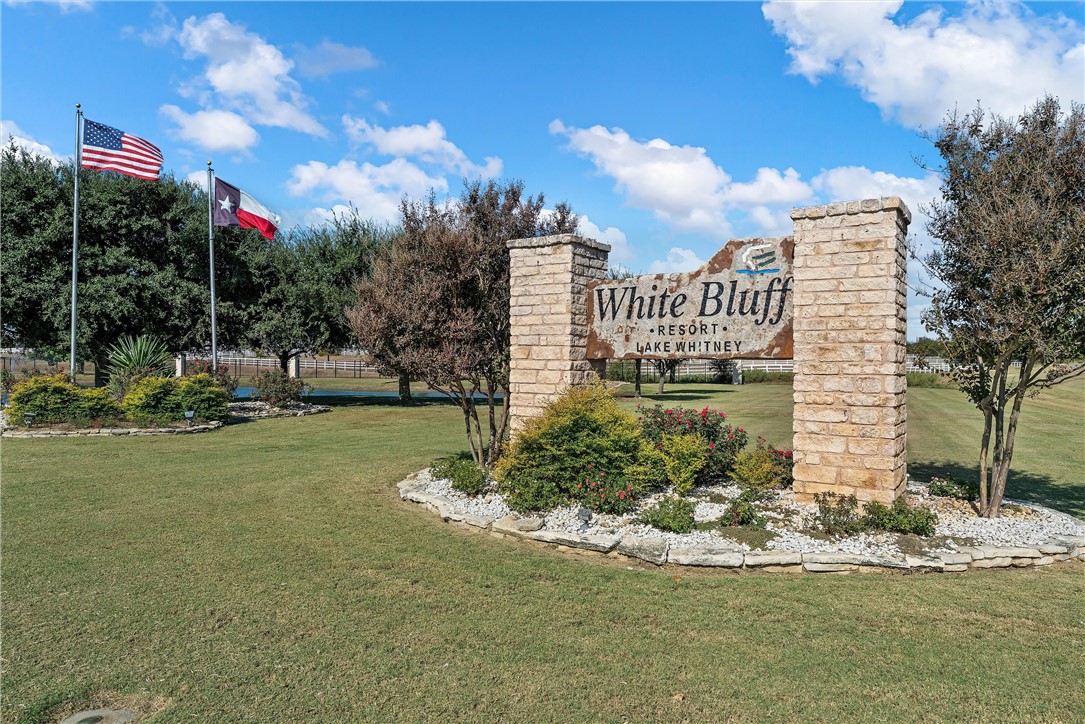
(1009, 298)
(436, 306)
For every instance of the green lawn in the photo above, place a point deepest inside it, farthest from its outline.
(269, 571)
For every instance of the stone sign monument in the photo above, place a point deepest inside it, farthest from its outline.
(831, 296)
(738, 305)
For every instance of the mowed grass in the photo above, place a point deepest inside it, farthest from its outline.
(269, 571)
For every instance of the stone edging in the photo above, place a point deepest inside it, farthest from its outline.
(658, 550)
(110, 431)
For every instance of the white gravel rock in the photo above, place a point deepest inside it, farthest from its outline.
(785, 519)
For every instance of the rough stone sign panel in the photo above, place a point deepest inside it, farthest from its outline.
(738, 305)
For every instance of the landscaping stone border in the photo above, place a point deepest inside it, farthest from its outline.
(238, 410)
(719, 555)
(110, 431)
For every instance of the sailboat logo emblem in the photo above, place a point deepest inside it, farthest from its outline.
(759, 259)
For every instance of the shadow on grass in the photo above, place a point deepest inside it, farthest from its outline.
(679, 396)
(1032, 487)
(359, 401)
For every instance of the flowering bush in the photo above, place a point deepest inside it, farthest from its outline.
(276, 388)
(764, 467)
(7, 380)
(723, 442)
(606, 494)
(221, 374)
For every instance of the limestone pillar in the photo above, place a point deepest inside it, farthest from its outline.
(180, 363)
(850, 330)
(548, 279)
(293, 366)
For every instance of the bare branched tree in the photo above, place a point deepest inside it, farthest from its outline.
(1010, 300)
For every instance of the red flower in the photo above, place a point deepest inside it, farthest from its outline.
(711, 445)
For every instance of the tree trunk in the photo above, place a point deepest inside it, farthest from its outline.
(636, 385)
(100, 377)
(284, 361)
(672, 372)
(661, 370)
(1001, 474)
(404, 389)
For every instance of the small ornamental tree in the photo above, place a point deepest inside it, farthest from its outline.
(436, 306)
(1010, 301)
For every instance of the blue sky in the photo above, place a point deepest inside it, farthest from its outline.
(671, 127)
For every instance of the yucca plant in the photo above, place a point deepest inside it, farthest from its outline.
(133, 358)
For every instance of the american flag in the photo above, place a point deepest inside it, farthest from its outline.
(107, 149)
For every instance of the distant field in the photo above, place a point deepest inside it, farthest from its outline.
(269, 571)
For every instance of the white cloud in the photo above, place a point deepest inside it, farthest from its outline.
(212, 130)
(375, 190)
(76, 6)
(199, 178)
(620, 251)
(679, 184)
(247, 74)
(678, 260)
(769, 187)
(997, 53)
(162, 28)
(428, 144)
(10, 131)
(329, 57)
(382, 107)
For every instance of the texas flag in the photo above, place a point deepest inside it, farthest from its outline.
(234, 207)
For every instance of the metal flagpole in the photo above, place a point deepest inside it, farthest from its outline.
(211, 245)
(75, 231)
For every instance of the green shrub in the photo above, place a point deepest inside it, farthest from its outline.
(203, 395)
(605, 493)
(133, 358)
(769, 377)
(98, 404)
(464, 473)
(650, 469)
(743, 509)
(837, 514)
(684, 456)
(7, 380)
(221, 374)
(723, 441)
(764, 467)
(153, 400)
(951, 487)
(929, 379)
(671, 514)
(278, 389)
(899, 518)
(49, 398)
(552, 454)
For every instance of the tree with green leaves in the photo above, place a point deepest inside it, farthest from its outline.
(436, 306)
(143, 260)
(1010, 269)
(301, 285)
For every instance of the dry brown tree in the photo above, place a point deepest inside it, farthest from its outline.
(1009, 300)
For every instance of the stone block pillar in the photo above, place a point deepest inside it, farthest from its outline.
(293, 366)
(850, 331)
(549, 320)
(180, 363)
